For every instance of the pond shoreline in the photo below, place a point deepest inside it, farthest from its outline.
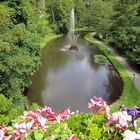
(48, 38)
(83, 76)
(130, 95)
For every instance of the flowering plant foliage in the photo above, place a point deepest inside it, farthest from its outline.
(3, 131)
(99, 106)
(32, 120)
(122, 117)
(133, 112)
(46, 124)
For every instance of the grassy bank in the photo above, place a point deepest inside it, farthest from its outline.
(85, 29)
(48, 38)
(130, 96)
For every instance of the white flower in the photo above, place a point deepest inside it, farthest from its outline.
(130, 135)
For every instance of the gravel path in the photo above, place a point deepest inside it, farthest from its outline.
(132, 73)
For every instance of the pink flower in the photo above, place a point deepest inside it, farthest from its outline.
(107, 112)
(33, 119)
(64, 115)
(99, 106)
(72, 137)
(46, 114)
(18, 134)
(112, 119)
(60, 116)
(36, 118)
(3, 131)
(122, 117)
(25, 126)
(92, 104)
(100, 101)
(42, 121)
(47, 110)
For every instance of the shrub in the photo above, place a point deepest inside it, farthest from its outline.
(9, 109)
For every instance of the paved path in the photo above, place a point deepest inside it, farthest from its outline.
(132, 73)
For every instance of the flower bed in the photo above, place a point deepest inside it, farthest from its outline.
(44, 124)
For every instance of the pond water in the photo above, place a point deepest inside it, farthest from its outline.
(69, 78)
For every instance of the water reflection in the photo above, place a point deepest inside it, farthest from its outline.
(72, 78)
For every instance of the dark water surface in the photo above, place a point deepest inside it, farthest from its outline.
(71, 78)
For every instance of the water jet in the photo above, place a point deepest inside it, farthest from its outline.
(72, 37)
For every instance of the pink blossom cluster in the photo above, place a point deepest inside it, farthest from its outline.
(32, 120)
(3, 131)
(122, 118)
(99, 106)
(38, 118)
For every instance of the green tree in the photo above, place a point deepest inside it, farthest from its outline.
(5, 14)
(126, 28)
(59, 14)
(11, 108)
(19, 51)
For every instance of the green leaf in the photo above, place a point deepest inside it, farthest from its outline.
(38, 135)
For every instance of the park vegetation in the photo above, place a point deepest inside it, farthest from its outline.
(24, 24)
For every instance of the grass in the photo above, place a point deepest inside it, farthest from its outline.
(48, 38)
(100, 59)
(84, 29)
(130, 96)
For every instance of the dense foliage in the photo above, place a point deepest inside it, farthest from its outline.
(126, 28)
(59, 13)
(116, 21)
(23, 24)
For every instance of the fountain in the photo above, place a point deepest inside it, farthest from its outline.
(73, 38)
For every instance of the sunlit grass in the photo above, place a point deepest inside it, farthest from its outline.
(48, 38)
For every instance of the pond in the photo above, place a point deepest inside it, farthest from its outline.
(71, 78)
